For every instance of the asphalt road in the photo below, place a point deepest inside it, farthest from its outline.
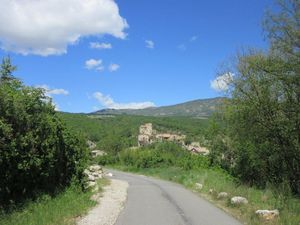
(155, 202)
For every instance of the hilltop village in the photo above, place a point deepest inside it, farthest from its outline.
(148, 135)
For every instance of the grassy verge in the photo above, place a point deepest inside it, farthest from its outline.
(62, 209)
(220, 181)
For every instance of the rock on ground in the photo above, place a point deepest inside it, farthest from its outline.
(93, 173)
(199, 186)
(110, 205)
(109, 174)
(238, 200)
(222, 195)
(267, 214)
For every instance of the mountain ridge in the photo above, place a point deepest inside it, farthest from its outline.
(194, 108)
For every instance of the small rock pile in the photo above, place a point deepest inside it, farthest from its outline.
(93, 173)
(267, 214)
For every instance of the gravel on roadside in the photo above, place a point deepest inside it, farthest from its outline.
(109, 205)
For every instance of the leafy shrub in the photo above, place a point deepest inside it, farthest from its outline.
(37, 152)
(259, 139)
(163, 154)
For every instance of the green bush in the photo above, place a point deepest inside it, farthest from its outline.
(37, 152)
(259, 135)
(163, 154)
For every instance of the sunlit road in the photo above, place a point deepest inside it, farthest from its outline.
(155, 202)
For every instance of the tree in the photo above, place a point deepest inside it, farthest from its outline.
(7, 69)
(38, 153)
(262, 118)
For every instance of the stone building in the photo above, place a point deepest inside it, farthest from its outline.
(171, 137)
(196, 148)
(147, 135)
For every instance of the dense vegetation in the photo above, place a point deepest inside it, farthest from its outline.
(115, 133)
(257, 137)
(159, 155)
(38, 154)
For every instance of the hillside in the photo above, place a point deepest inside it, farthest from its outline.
(198, 108)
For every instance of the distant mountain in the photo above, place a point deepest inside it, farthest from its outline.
(196, 108)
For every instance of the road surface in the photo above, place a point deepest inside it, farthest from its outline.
(155, 202)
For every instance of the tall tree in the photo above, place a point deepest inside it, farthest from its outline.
(7, 69)
(263, 115)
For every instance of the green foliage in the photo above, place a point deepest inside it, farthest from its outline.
(258, 138)
(37, 152)
(61, 209)
(6, 70)
(163, 154)
(115, 133)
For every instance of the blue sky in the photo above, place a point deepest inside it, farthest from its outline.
(158, 52)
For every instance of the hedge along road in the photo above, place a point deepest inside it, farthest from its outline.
(155, 202)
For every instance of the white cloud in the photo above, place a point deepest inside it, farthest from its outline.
(108, 102)
(56, 106)
(50, 92)
(149, 44)
(53, 91)
(221, 83)
(182, 47)
(94, 64)
(193, 38)
(47, 27)
(113, 67)
(98, 45)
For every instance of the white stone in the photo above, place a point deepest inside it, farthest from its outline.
(96, 153)
(91, 184)
(91, 178)
(86, 172)
(199, 186)
(222, 195)
(95, 168)
(238, 200)
(109, 174)
(97, 175)
(91, 144)
(267, 214)
(210, 191)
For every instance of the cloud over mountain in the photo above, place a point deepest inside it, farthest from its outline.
(108, 102)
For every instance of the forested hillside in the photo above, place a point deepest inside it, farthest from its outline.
(202, 108)
(115, 133)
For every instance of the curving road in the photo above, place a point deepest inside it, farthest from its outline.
(155, 202)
